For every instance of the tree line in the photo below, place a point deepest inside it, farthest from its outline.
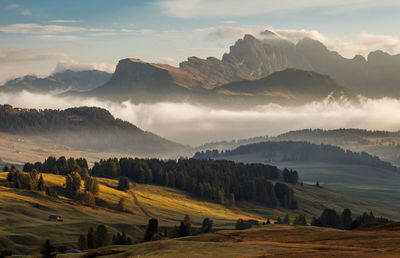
(330, 218)
(300, 151)
(223, 182)
(219, 181)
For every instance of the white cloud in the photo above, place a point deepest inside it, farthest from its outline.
(55, 37)
(64, 21)
(228, 22)
(231, 32)
(11, 6)
(180, 121)
(70, 64)
(12, 55)
(170, 61)
(39, 29)
(229, 8)
(25, 12)
(361, 44)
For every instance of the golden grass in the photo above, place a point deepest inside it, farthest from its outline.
(274, 240)
(171, 199)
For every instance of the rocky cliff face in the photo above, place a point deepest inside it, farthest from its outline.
(254, 58)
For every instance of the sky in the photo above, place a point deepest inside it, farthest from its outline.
(43, 36)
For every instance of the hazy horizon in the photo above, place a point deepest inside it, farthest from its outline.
(197, 124)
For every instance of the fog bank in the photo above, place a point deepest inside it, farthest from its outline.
(195, 124)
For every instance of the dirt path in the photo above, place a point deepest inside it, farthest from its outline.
(138, 204)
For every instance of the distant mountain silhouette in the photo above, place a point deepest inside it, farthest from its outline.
(251, 58)
(58, 82)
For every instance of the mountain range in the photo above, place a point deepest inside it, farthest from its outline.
(258, 69)
(58, 82)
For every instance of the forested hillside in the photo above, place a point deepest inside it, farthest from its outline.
(223, 182)
(300, 151)
(86, 128)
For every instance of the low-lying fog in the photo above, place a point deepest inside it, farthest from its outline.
(195, 125)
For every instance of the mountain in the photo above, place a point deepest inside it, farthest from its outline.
(86, 128)
(288, 84)
(248, 59)
(253, 58)
(140, 81)
(145, 82)
(58, 82)
(309, 71)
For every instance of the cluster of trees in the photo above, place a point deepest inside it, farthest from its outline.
(23, 180)
(60, 166)
(121, 239)
(184, 229)
(219, 181)
(94, 238)
(73, 183)
(330, 218)
(301, 151)
(290, 176)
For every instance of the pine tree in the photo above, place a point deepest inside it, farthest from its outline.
(123, 183)
(40, 183)
(286, 220)
(185, 228)
(101, 236)
(73, 183)
(346, 219)
(82, 242)
(152, 228)
(6, 169)
(48, 251)
(90, 239)
(300, 220)
(207, 225)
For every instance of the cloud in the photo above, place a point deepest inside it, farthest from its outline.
(11, 6)
(230, 8)
(25, 12)
(55, 37)
(361, 44)
(39, 29)
(73, 65)
(230, 32)
(64, 21)
(170, 61)
(12, 55)
(180, 121)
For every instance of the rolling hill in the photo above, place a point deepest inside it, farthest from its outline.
(358, 174)
(81, 129)
(273, 240)
(24, 223)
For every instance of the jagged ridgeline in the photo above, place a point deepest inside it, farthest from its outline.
(85, 128)
(299, 151)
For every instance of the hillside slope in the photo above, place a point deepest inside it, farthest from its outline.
(81, 128)
(274, 240)
(24, 224)
(357, 174)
